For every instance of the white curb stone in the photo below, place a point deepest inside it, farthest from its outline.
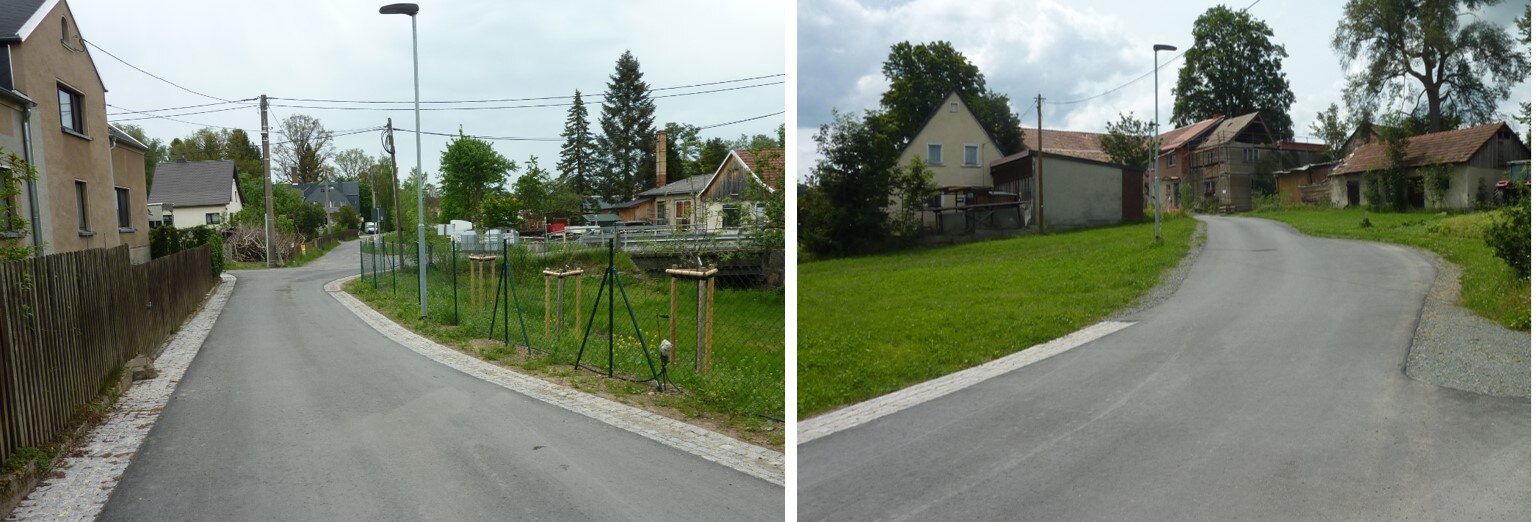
(93, 469)
(857, 414)
(753, 460)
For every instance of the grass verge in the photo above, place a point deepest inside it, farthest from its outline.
(742, 396)
(873, 325)
(1490, 288)
(297, 261)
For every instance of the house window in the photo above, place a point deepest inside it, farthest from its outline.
(1169, 162)
(81, 212)
(936, 154)
(731, 216)
(685, 211)
(1210, 188)
(661, 212)
(955, 107)
(122, 208)
(71, 111)
(1250, 155)
(212, 218)
(973, 156)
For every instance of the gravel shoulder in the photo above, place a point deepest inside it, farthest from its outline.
(1455, 348)
(1171, 279)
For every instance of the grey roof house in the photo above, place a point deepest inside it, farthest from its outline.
(341, 193)
(198, 192)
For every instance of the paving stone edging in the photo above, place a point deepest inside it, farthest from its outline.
(753, 460)
(92, 469)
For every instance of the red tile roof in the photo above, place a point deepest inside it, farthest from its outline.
(1067, 143)
(1175, 138)
(1453, 146)
(1308, 147)
(773, 161)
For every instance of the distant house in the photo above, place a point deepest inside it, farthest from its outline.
(958, 149)
(199, 192)
(89, 191)
(712, 201)
(332, 196)
(1476, 159)
(1223, 165)
(1173, 166)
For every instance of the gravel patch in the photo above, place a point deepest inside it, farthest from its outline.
(1455, 348)
(1171, 280)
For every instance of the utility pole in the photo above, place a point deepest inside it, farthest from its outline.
(1040, 170)
(267, 180)
(389, 140)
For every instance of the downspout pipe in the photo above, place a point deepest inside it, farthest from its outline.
(26, 155)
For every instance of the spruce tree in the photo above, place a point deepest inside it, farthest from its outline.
(629, 132)
(577, 163)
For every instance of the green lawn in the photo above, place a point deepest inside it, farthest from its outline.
(1489, 287)
(873, 325)
(744, 390)
(297, 261)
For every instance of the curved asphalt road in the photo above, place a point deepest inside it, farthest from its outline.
(297, 410)
(1269, 386)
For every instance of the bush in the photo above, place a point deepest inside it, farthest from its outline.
(214, 238)
(1510, 236)
(164, 241)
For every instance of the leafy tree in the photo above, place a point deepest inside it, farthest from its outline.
(629, 132)
(921, 75)
(246, 153)
(1233, 68)
(306, 149)
(1333, 130)
(347, 218)
(1437, 51)
(503, 210)
(1388, 187)
(683, 148)
(1128, 141)
(578, 162)
(844, 210)
(533, 188)
(11, 180)
(471, 168)
(157, 153)
(353, 165)
(912, 185)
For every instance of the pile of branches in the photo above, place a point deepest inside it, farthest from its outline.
(248, 244)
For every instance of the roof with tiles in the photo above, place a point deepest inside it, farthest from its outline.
(1453, 146)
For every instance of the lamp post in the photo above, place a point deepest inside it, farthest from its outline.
(1153, 153)
(421, 224)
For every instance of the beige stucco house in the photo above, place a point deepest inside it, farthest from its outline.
(958, 149)
(199, 192)
(1476, 158)
(90, 187)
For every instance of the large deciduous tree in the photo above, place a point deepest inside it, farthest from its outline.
(471, 168)
(921, 75)
(1436, 54)
(629, 132)
(1128, 141)
(1233, 68)
(305, 150)
(578, 162)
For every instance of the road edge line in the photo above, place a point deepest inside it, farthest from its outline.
(753, 460)
(864, 412)
(93, 468)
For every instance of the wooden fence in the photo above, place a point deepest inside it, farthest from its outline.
(68, 321)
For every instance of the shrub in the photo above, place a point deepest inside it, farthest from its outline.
(214, 238)
(164, 241)
(1510, 236)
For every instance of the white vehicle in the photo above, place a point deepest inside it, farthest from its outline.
(370, 228)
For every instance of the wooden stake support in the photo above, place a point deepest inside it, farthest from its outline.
(560, 298)
(479, 266)
(704, 325)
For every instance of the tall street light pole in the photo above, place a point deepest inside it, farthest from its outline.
(1153, 153)
(421, 223)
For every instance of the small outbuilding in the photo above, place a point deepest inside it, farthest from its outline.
(1078, 192)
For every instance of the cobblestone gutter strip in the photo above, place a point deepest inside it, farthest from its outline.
(857, 414)
(80, 484)
(753, 460)
(1455, 348)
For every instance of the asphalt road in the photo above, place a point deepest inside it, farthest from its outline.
(1269, 386)
(296, 410)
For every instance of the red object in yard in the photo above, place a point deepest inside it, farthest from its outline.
(1502, 183)
(556, 228)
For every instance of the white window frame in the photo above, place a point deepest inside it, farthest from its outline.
(930, 157)
(966, 151)
(1169, 162)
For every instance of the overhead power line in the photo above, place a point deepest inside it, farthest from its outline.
(152, 116)
(504, 107)
(185, 107)
(741, 120)
(167, 118)
(151, 75)
(505, 100)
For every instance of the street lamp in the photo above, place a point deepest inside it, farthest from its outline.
(421, 224)
(1153, 154)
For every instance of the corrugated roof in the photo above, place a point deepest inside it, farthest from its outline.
(1178, 137)
(1453, 146)
(193, 183)
(1084, 145)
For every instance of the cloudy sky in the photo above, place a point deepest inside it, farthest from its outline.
(345, 50)
(1063, 50)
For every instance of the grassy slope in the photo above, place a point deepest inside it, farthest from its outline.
(1489, 287)
(872, 325)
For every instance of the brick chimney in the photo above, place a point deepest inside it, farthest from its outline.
(661, 158)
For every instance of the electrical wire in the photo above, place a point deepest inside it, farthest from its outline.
(504, 100)
(186, 107)
(151, 75)
(501, 107)
(179, 121)
(152, 116)
(741, 120)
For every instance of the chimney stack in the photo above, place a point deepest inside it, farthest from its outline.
(661, 158)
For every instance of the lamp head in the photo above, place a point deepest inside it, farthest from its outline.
(1156, 47)
(405, 9)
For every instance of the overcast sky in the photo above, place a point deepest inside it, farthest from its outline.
(1063, 50)
(469, 49)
